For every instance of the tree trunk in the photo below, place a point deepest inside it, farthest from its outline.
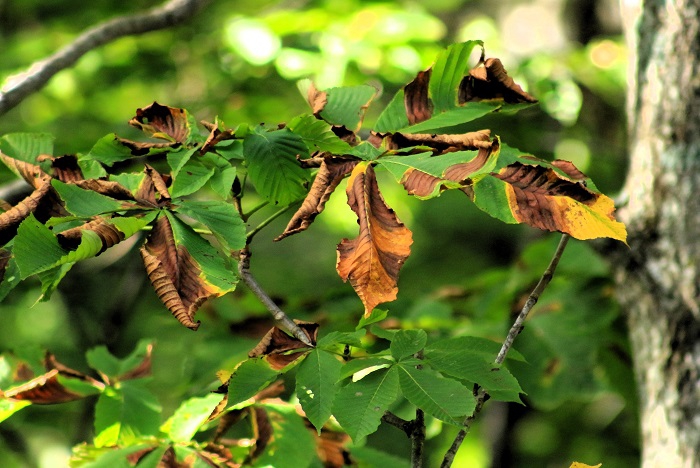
(658, 278)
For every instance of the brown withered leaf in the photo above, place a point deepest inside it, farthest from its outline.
(568, 168)
(173, 274)
(140, 148)
(331, 447)
(109, 188)
(371, 261)
(262, 430)
(64, 168)
(460, 172)
(215, 136)
(33, 174)
(538, 196)
(134, 458)
(153, 190)
(108, 233)
(277, 346)
(4, 261)
(316, 99)
(489, 80)
(440, 144)
(217, 456)
(419, 107)
(330, 174)
(47, 389)
(165, 122)
(42, 202)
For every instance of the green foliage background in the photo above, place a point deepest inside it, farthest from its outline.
(467, 274)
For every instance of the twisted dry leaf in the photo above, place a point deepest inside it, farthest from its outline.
(43, 202)
(277, 346)
(108, 233)
(168, 123)
(490, 80)
(330, 174)
(371, 261)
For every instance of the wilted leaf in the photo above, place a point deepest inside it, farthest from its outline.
(448, 94)
(489, 80)
(168, 123)
(538, 196)
(330, 174)
(277, 346)
(372, 260)
(42, 202)
(174, 276)
(331, 449)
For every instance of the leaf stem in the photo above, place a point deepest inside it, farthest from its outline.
(481, 395)
(267, 221)
(254, 210)
(278, 314)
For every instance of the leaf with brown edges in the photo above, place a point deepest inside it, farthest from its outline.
(174, 275)
(330, 174)
(43, 202)
(490, 80)
(371, 261)
(165, 122)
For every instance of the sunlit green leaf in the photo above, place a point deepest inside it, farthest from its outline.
(292, 445)
(249, 378)
(364, 366)
(108, 151)
(10, 407)
(347, 105)
(350, 338)
(26, 146)
(124, 414)
(221, 217)
(316, 385)
(85, 203)
(317, 135)
(189, 417)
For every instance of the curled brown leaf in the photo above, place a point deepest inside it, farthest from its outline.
(160, 121)
(490, 80)
(42, 202)
(108, 233)
(330, 174)
(277, 346)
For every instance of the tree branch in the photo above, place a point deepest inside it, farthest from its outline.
(167, 15)
(481, 395)
(282, 319)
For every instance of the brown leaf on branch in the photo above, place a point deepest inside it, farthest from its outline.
(460, 172)
(153, 190)
(316, 99)
(330, 174)
(489, 80)
(165, 122)
(42, 202)
(277, 346)
(47, 389)
(108, 233)
(538, 196)
(331, 447)
(64, 168)
(371, 261)
(440, 144)
(109, 188)
(141, 148)
(419, 107)
(174, 274)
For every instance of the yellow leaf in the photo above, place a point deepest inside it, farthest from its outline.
(583, 465)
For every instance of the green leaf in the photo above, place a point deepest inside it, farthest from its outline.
(363, 366)
(124, 414)
(251, 376)
(273, 167)
(442, 398)
(393, 117)
(447, 73)
(90, 168)
(366, 151)
(108, 150)
(26, 146)
(50, 280)
(214, 269)
(191, 178)
(407, 343)
(461, 115)
(316, 385)
(189, 417)
(129, 180)
(178, 159)
(219, 216)
(359, 406)
(10, 407)
(88, 456)
(100, 359)
(222, 181)
(85, 203)
(36, 249)
(349, 338)
(347, 105)
(130, 225)
(292, 445)
(11, 277)
(317, 135)
(368, 457)
(472, 359)
(154, 458)
(377, 315)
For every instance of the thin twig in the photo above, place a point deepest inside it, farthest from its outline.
(167, 15)
(481, 395)
(278, 314)
(417, 435)
(398, 422)
(259, 227)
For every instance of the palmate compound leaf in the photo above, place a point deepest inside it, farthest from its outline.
(553, 197)
(316, 385)
(273, 167)
(449, 94)
(371, 261)
(360, 405)
(184, 268)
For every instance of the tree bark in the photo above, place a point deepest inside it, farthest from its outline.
(658, 278)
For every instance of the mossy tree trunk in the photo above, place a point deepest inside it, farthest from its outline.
(658, 278)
